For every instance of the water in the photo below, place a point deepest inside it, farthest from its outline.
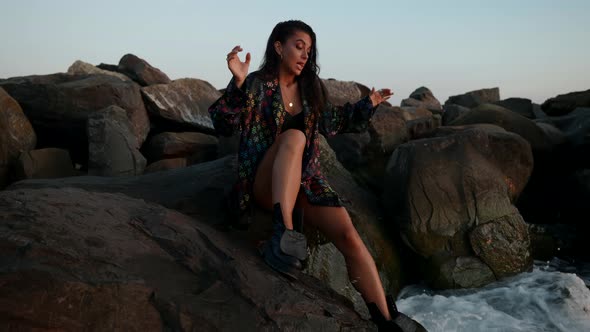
(553, 297)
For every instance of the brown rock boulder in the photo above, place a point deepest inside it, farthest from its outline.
(342, 92)
(16, 135)
(166, 164)
(196, 190)
(438, 190)
(200, 190)
(551, 195)
(196, 147)
(48, 163)
(575, 126)
(112, 147)
(521, 106)
(503, 244)
(452, 112)
(83, 68)
(76, 260)
(141, 71)
(182, 102)
(423, 97)
(58, 107)
(511, 121)
(475, 98)
(565, 103)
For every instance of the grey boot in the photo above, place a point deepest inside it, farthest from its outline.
(294, 242)
(272, 252)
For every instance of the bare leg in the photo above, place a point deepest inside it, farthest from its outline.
(278, 176)
(336, 225)
(278, 180)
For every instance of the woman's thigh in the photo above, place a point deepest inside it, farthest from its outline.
(262, 186)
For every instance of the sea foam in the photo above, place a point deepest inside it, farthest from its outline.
(542, 300)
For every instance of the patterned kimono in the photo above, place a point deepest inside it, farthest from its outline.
(257, 111)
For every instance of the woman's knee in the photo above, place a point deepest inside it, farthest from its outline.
(350, 243)
(293, 139)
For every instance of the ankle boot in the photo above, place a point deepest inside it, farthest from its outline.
(406, 323)
(383, 325)
(294, 242)
(398, 322)
(271, 251)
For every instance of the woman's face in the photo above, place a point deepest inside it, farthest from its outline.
(295, 52)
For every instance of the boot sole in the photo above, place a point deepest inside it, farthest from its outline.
(280, 267)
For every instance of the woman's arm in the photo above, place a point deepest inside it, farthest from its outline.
(225, 112)
(347, 118)
(351, 117)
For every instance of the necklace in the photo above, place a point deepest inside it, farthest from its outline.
(290, 90)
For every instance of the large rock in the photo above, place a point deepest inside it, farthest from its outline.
(112, 147)
(521, 106)
(16, 135)
(141, 71)
(503, 244)
(196, 190)
(475, 98)
(388, 128)
(512, 122)
(575, 126)
(80, 67)
(341, 92)
(77, 260)
(196, 147)
(182, 102)
(48, 163)
(199, 191)
(58, 107)
(423, 97)
(550, 196)
(452, 112)
(563, 104)
(166, 164)
(439, 190)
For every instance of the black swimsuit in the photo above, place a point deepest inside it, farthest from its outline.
(293, 122)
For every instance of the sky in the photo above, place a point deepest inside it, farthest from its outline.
(533, 49)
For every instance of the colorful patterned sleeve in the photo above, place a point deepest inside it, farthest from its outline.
(347, 118)
(226, 111)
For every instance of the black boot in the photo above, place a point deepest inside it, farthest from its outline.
(404, 322)
(271, 250)
(399, 322)
(383, 325)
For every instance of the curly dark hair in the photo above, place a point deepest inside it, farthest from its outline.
(308, 80)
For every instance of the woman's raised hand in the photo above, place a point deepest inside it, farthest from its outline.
(379, 96)
(238, 68)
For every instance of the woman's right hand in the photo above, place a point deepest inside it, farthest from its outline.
(238, 68)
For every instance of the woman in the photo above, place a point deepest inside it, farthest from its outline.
(281, 110)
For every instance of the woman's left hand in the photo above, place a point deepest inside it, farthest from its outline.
(379, 96)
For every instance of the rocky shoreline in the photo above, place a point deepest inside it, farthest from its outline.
(113, 185)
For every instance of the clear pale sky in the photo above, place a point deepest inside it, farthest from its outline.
(533, 49)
